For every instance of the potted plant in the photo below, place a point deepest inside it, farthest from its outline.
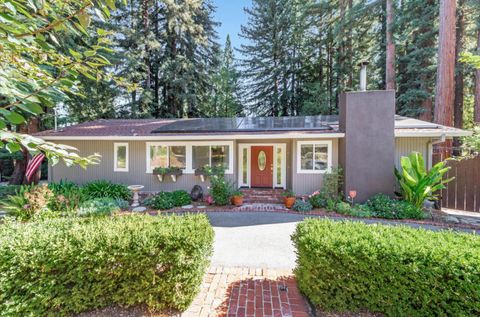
(289, 198)
(237, 198)
(172, 171)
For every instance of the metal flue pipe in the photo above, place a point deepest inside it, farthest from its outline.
(363, 75)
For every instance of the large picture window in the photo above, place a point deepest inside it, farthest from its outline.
(212, 155)
(120, 159)
(166, 156)
(189, 155)
(314, 157)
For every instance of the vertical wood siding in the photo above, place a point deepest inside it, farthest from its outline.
(303, 184)
(299, 183)
(136, 171)
(405, 146)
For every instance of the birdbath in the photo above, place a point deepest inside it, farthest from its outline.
(135, 189)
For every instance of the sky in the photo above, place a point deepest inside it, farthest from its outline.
(231, 15)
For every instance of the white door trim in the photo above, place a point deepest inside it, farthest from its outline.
(248, 147)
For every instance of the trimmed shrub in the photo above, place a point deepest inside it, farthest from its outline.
(64, 266)
(384, 207)
(101, 207)
(397, 271)
(302, 206)
(181, 198)
(161, 201)
(168, 200)
(106, 189)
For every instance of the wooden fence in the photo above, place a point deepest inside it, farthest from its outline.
(463, 192)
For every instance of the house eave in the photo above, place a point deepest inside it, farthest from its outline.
(432, 134)
(292, 135)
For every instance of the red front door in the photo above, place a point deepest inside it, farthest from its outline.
(262, 166)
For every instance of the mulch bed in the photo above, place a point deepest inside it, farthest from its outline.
(135, 311)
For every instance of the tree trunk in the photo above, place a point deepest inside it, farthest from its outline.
(147, 47)
(476, 117)
(459, 80)
(390, 51)
(444, 97)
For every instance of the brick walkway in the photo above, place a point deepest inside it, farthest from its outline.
(245, 292)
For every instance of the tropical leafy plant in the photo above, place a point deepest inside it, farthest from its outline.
(418, 184)
(106, 189)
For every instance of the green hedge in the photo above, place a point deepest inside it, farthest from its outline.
(398, 271)
(62, 266)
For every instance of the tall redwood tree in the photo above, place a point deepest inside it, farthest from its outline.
(390, 53)
(444, 97)
(477, 84)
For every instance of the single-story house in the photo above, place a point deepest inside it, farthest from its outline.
(367, 140)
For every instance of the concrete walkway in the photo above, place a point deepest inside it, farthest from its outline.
(262, 239)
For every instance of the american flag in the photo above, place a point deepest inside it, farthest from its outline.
(33, 165)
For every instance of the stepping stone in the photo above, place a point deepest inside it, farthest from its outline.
(139, 209)
(187, 207)
(201, 207)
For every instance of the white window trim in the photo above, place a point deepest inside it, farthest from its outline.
(248, 146)
(189, 153)
(115, 158)
(299, 158)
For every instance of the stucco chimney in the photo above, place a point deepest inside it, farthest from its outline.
(367, 151)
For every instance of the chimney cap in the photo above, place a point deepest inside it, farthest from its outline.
(363, 63)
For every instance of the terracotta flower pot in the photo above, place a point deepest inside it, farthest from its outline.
(237, 200)
(289, 201)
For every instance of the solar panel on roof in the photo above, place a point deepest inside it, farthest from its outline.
(249, 124)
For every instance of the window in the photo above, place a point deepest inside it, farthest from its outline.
(166, 156)
(279, 166)
(245, 166)
(314, 157)
(215, 155)
(120, 157)
(189, 155)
